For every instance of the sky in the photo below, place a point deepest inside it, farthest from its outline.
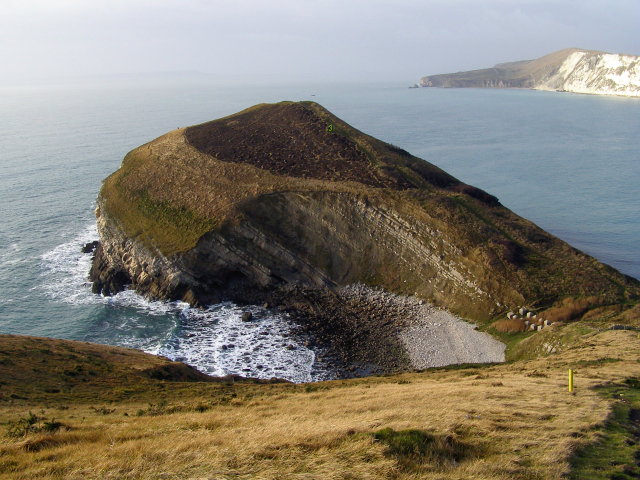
(289, 41)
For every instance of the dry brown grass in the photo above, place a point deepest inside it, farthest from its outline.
(518, 420)
(570, 309)
(509, 325)
(631, 316)
(162, 182)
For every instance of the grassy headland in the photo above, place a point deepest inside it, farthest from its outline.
(346, 207)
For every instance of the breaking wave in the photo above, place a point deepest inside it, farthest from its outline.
(213, 340)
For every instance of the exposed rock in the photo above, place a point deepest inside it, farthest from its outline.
(570, 70)
(90, 247)
(199, 214)
(247, 316)
(107, 280)
(624, 327)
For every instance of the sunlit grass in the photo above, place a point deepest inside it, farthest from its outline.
(514, 421)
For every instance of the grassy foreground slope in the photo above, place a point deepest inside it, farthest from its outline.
(80, 411)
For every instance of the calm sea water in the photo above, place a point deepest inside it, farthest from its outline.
(568, 162)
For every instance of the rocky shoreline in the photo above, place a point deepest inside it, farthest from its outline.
(363, 330)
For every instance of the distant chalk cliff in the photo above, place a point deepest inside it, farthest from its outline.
(570, 70)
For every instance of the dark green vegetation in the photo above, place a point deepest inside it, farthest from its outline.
(33, 424)
(156, 223)
(511, 340)
(270, 197)
(616, 454)
(287, 139)
(418, 450)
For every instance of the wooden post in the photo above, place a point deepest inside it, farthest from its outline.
(570, 381)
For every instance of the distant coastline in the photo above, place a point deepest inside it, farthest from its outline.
(570, 70)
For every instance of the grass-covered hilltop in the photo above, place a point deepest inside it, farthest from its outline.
(287, 193)
(286, 205)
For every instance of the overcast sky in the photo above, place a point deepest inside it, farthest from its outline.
(300, 40)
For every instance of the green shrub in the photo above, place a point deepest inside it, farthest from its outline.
(416, 449)
(33, 424)
(103, 410)
(23, 425)
(51, 426)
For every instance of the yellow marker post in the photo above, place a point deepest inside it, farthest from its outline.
(570, 381)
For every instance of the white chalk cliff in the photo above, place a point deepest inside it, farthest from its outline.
(570, 70)
(597, 73)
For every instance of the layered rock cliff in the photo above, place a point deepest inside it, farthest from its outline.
(570, 70)
(288, 194)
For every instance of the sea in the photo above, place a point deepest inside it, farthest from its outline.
(568, 162)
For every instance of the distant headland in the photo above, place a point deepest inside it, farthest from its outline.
(570, 70)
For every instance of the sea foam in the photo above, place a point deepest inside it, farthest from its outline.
(214, 340)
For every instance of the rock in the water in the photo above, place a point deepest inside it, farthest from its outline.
(90, 247)
(247, 316)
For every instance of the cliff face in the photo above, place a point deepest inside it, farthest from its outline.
(288, 194)
(570, 70)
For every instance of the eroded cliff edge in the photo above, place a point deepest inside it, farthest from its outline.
(284, 199)
(570, 70)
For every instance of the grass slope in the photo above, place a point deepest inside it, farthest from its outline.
(75, 410)
(615, 454)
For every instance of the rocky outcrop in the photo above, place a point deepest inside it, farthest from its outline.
(279, 195)
(570, 70)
